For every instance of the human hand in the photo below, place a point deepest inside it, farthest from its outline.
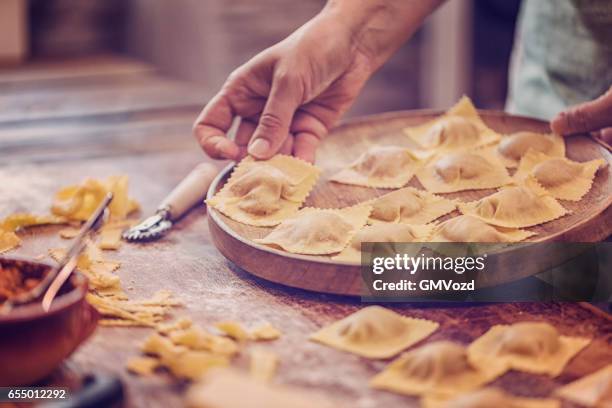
(291, 94)
(593, 116)
(288, 96)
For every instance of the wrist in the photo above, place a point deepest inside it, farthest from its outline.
(377, 28)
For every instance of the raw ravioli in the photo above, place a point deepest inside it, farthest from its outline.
(409, 206)
(441, 367)
(375, 332)
(463, 170)
(264, 193)
(316, 231)
(466, 228)
(380, 167)
(562, 178)
(533, 347)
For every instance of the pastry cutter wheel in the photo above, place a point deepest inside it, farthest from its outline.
(188, 193)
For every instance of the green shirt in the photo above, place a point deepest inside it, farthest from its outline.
(562, 55)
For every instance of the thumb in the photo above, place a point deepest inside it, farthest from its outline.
(275, 120)
(586, 117)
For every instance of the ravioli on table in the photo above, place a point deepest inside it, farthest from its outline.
(441, 368)
(375, 332)
(533, 347)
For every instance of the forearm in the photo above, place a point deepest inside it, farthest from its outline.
(379, 27)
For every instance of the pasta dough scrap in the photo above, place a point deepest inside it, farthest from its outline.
(179, 324)
(383, 233)
(142, 365)
(264, 332)
(409, 206)
(160, 346)
(562, 178)
(69, 232)
(119, 207)
(97, 269)
(460, 127)
(463, 170)
(441, 367)
(317, 231)
(380, 167)
(110, 238)
(518, 206)
(262, 364)
(8, 240)
(513, 147)
(227, 389)
(17, 221)
(146, 312)
(264, 193)
(78, 202)
(181, 361)
(192, 365)
(594, 390)
(533, 347)
(196, 338)
(487, 398)
(233, 330)
(466, 228)
(375, 332)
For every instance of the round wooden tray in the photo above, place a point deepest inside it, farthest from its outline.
(590, 219)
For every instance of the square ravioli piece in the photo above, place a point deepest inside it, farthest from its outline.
(523, 205)
(512, 148)
(384, 232)
(463, 170)
(264, 193)
(380, 167)
(488, 397)
(532, 347)
(315, 231)
(459, 128)
(466, 228)
(409, 206)
(439, 368)
(562, 178)
(594, 390)
(375, 332)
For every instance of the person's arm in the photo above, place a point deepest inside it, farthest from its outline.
(292, 93)
(379, 27)
(593, 116)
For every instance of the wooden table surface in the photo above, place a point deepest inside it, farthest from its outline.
(63, 121)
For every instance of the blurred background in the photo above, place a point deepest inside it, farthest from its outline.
(131, 56)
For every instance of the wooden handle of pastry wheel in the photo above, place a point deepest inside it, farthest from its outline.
(190, 191)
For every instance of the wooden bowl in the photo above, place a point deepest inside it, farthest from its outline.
(590, 219)
(34, 342)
